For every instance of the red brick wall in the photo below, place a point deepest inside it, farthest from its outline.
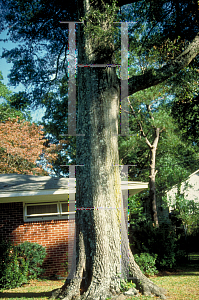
(54, 235)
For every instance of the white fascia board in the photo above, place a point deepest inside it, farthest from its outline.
(39, 199)
(133, 187)
(37, 193)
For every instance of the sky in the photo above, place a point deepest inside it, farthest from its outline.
(5, 69)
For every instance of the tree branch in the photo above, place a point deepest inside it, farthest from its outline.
(140, 125)
(57, 63)
(155, 142)
(148, 106)
(156, 76)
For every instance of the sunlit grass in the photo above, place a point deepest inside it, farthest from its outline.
(35, 290)
(181, 285)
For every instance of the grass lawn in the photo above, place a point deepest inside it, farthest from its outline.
(181, 284)
(34, 290)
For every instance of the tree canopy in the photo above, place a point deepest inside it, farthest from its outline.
(165, 31)
(41, 64)
(21, 145)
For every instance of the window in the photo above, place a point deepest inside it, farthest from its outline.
(47, 211)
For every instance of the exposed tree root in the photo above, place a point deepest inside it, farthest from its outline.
(98, 290)
(144, 284)
(106, 289)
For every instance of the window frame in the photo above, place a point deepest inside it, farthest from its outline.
(59, 215)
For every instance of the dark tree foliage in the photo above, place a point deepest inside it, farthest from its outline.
(40, 62)
(186, 112)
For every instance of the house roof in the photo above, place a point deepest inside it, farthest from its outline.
(189, 187)
(195, 173)
(14, 187)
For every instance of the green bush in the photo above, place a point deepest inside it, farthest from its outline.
(161, 241)
(12, 273)
(34, 254)
(146, 262)
(18, 264)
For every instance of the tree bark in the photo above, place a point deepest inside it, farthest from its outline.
(102, 251)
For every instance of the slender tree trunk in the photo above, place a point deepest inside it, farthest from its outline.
(100, 226)
(151, 205)
(152, 176)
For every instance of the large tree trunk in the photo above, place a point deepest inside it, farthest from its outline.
(102, 249)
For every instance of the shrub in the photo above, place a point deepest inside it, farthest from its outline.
(146, 262)
(12, 273)
(161, 241)
(20, 263)
(34, 254)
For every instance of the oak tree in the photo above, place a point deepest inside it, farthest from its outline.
(100, 223)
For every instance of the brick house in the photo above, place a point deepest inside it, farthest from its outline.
(41, 209)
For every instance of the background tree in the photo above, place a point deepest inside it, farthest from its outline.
(7, 112)
(21, 145)
(4, 91)
(98, 182)
(174, 158)
(186, 112)
(18, 106)
(54, 122)
(152, 118)
(156, 124)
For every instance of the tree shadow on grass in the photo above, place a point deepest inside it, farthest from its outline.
(180, 273)
(190, 269)
(25, 295)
